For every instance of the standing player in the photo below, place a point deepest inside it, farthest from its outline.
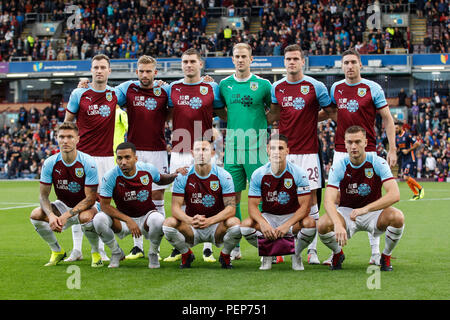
(360, 178)
(284, 191)
(191, 102)
(74, 176)
(209, 195)
(358, 100)
(406, 145)
(120, 127)
(296, 102)
(94, 109)
(146, 105)
(247, 97)
(129, 184)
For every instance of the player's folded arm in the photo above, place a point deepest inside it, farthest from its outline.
(44, 201)
(177, 212)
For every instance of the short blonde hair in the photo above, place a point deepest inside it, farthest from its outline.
(146, 60)
(243, 46)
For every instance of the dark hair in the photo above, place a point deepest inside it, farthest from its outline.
(68, 126)
(278, 136)
(101, 57)
(351, 51)
(192, 51)
(126, 145)
(294, 47)
(355, 129)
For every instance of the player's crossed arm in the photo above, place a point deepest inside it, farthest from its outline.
(46, 206)
(201, 222)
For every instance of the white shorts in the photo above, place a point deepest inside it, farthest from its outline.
(311, 164)
(277, 220)
(366, 222)
(62, 207)
(340, 155)
(104, 164)
(158, 159)
(140, 221)
(205, 235)
(178, 160)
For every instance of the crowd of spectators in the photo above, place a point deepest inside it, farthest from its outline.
(26, 144)
(130, 28)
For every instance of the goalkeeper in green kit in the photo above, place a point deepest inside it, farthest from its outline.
(247, 98)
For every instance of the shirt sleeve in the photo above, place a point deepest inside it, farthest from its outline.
(268, 94)
(156, 176)
(255, 185)
(336, 174)
(47, 170)
(322, 94)
(226, 181)
(121, 92)
(378, 96)
(169, 95)
(90, 168)
(218, 103)
(108, 183)
(333, 88)
(382, 169)
(273, 96)
(301, 181)
(179, 185)
(74, 101)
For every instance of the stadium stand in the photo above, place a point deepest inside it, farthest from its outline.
(126, 29)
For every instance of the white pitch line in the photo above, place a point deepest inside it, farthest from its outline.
(18, 207)
(425, 199)
(17, 203)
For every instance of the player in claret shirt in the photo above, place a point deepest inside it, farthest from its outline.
(129, 184)
(296, 102)
(192, 101)
(208, 192)
(360, 177)
(358, 101)
(74, 176)
(94, 109)
(284, 191)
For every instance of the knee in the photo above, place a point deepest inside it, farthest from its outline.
(100, 219)
(155, 219)
(36, 214)
(231, 222)
(170, 222)
(398, 219)
(308, 222)
(324, 224)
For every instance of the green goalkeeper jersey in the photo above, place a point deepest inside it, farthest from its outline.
(247, 102)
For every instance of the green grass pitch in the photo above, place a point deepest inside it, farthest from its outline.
(421, 263)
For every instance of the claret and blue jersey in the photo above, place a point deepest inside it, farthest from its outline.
(279, 194)
(204, 195)
(359, 185)
(132, 195)
(70, 179)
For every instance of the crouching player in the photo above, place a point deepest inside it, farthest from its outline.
(74, 176)
(284, 190)
(360, 177)
(129, 184)
(208, 192)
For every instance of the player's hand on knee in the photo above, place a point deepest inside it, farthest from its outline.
(341, 235)
(134, 228)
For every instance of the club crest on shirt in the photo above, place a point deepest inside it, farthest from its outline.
(79, 172)
(203, 90)
(145, 180)
(109, 96)
(362, 92)
(254, 86)
(214, 185)
(368, 172)
(157, 91)
(304, 90)
(288, 183)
